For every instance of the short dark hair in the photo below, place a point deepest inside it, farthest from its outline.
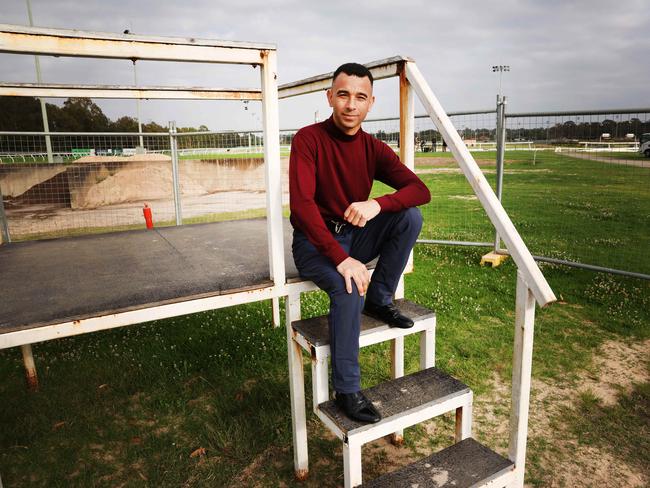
(353, 69)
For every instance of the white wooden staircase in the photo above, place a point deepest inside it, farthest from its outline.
(407, 400)
(403, 401)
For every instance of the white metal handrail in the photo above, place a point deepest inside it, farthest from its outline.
(532, 275)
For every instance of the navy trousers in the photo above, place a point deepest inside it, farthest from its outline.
(391, 236)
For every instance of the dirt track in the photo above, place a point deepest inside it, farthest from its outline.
(604, 159)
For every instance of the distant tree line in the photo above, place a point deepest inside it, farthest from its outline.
(75, 115)
(23, 114)
(523, 129)
(83, 115)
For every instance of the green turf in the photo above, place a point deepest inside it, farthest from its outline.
(129, 407)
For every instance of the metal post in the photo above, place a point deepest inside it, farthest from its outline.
(176, 186)
(407, 131)
(30, 367)
(297, 392)
(137, 105)
(521, 377)
(4, 225)
(46, 125)
(272, 168)
(501, 147)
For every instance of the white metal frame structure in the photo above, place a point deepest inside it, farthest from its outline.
(59, 42)
(532, 287)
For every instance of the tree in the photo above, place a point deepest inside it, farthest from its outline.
(125, 124)
(84, 115)
(21, 114)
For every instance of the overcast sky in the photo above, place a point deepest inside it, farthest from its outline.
(589, 54)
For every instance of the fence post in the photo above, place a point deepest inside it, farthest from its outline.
(4, 225)
(501, 148)
(521, 377)
(176, 187)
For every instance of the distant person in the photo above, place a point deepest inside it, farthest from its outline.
(337, 228)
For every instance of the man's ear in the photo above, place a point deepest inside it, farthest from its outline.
(329, 96)
(372, 102)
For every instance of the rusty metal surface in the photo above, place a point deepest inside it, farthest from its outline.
(383, 68)
(398, 396)
(463, 465)
(111, 36)
(316, 329)
(63, 42)
(54, 90)
(51, 281)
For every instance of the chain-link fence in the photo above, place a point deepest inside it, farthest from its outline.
(575, 183)
(100, 182)
(582, 194)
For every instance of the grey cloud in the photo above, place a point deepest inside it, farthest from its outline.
(564, 54)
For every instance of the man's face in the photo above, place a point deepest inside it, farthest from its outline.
(351, 99)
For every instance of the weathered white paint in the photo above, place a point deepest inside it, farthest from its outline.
(125, 92)
(120, 319)
(521, 377)
(63, 42)
(296, 391)
(381, 69)
(370, 432)
(352, 471)
(270, 118)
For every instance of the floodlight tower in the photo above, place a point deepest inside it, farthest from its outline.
(500, 69)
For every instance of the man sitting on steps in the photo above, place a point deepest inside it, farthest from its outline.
(337, 228)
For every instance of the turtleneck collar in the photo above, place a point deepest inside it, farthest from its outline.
(337, 133)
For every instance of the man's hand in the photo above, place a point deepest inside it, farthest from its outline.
(351, 269)
(358, 213)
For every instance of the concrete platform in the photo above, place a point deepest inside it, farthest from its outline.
(52, 281)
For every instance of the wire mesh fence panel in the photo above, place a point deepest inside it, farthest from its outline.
(222, 176)
(98, 183)
(454, 213)
(583, 193)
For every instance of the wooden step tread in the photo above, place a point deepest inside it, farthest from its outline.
(400, 396)
(462, 465)
(316, 329)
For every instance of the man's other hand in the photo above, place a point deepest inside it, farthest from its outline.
(358, 213)
(351, 269)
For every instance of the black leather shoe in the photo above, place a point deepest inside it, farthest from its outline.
(357, 407)
(389, 314)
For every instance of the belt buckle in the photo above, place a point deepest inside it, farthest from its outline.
(338, 226)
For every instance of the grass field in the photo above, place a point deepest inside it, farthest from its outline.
(203, 400)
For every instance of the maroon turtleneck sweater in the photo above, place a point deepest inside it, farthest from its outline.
(329, 170)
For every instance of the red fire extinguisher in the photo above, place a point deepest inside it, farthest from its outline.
(147, 216)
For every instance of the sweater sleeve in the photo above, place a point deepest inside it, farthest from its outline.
(305, 215)
(411, 190)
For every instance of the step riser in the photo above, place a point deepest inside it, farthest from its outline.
(370, 337)
(501, 480)
(372, 432)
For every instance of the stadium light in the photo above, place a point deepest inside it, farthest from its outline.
(500, 68)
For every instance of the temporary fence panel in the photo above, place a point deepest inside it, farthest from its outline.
(454, 214)
(98, 183)
(586, 168)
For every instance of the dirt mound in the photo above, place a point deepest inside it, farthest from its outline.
(124, 159)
